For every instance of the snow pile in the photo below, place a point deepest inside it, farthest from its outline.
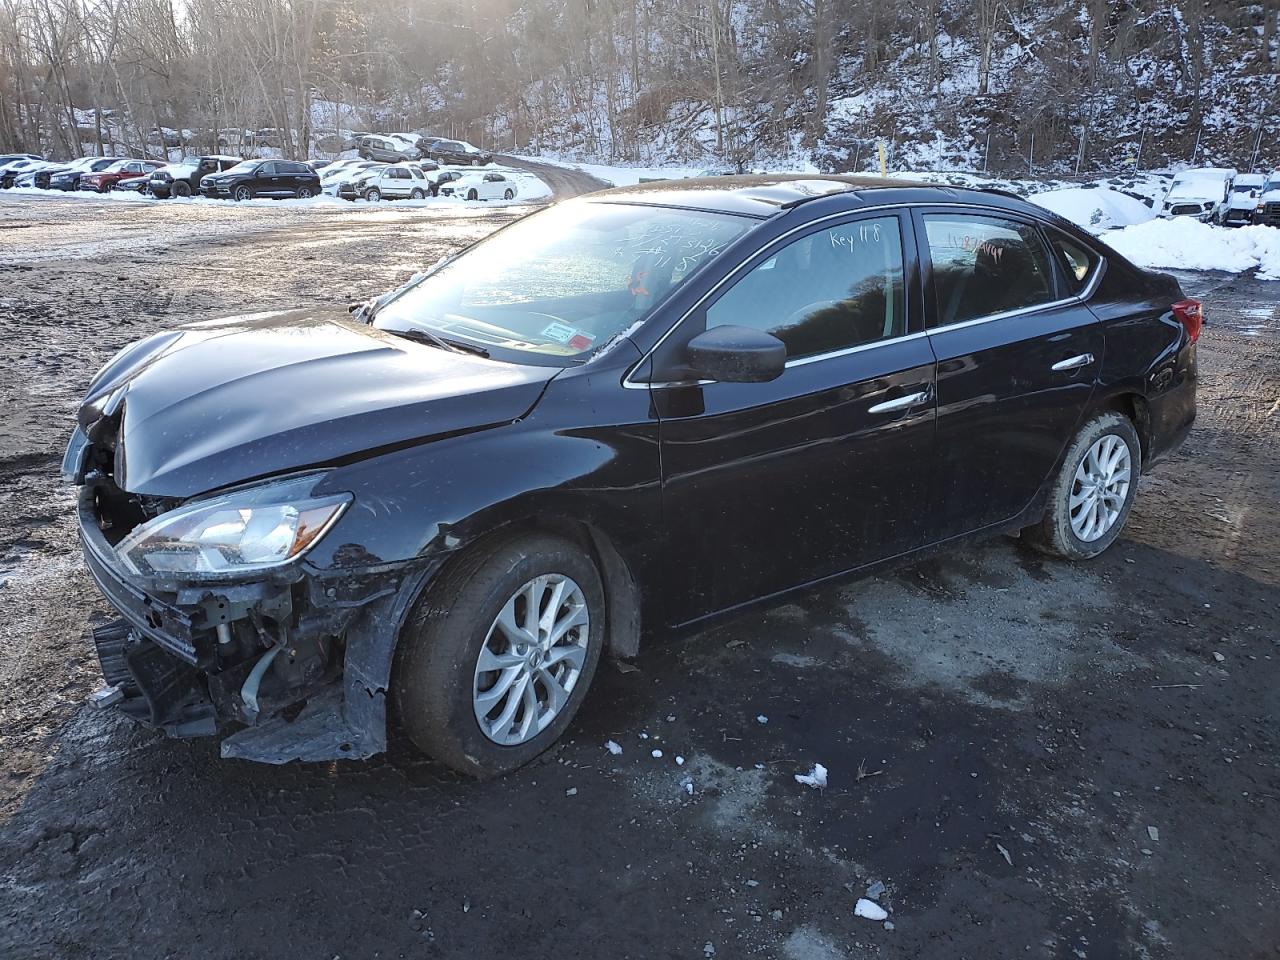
(1094, 209)
(1186, 244)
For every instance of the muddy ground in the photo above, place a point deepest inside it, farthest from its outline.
(1035, 759)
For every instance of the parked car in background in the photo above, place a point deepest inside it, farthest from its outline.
(1266, 210)
(333, 178)
(397, 181)
(8, 158)
(1242, 197)
(183, 179)
(1197, 193)
(439, 177)
(43, 177)
(104, 180)
(139, 183)
(388, 149)
(276, 179)
(480, 186)
(747, 358)
(11, 169)
(70, 179)
(457, 152)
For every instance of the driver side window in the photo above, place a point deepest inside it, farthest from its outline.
(827, 291)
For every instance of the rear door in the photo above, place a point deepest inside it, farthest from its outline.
(1018, 356)
(767, 486)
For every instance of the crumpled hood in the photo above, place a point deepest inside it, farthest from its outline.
(225, 401)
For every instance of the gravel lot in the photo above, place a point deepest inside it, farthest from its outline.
(1035, 759)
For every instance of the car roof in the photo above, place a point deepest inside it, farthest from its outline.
(765, 195)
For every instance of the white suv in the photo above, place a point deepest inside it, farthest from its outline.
(398, 181)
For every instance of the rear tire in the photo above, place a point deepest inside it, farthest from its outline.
(303, 193)
(1093, 492)
(438, 686)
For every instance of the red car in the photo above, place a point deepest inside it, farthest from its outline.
(107, 179)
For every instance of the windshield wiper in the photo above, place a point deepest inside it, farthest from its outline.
(419, 335)
(465, 347)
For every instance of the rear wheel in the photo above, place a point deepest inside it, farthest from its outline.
(1093, 492)
(303, 193)
(497, 657)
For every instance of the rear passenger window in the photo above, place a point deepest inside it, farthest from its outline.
(828, 291)
(984, 266)
(1077, 260)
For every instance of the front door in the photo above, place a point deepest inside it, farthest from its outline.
(1018, 355)
(768, 486)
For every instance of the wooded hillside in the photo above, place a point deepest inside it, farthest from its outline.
(1025, 84)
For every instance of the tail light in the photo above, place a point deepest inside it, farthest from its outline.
(1190, 313)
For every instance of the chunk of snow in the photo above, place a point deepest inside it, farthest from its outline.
(870, 910)
(1187, 244)
(612, 747)
(657, 754)
(762, 719)
(817, 777)
(679, 761)
(875, 890)
(1153, 833)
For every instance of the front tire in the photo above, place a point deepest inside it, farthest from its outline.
(242, 193)
(373, 194)
(182, 189)
(472, 195)
(496, 658)
(1093, 491)
(509, 194)
(417, 194)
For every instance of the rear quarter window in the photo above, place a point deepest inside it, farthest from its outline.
(1078, 260)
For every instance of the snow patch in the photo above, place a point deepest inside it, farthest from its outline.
(1094, 209)
(816, 778)
(1186, 244)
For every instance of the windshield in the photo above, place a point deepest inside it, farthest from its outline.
(244, 166)
(559, 284)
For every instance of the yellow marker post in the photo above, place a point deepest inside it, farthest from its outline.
(884, 164)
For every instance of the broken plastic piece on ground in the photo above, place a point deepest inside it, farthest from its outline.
(870, 910)
(816, 778)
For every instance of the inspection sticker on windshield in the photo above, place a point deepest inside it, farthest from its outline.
(559, 332)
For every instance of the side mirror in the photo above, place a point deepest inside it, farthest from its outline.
(732, 354)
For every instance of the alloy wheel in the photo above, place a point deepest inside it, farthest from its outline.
(1100, 488)
(243, 193)
(531, 659)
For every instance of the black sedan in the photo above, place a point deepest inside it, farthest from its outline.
(622, 417)
(69, 179)
(263, 178)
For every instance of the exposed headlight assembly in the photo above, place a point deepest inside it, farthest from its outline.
(256, 528)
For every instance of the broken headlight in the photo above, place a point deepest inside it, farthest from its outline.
(256, 528)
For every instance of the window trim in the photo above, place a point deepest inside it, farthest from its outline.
(912, 212)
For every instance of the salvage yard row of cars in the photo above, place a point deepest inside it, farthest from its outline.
(233, 178)
(1221, 195)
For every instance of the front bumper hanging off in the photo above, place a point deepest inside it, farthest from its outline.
(165, 664)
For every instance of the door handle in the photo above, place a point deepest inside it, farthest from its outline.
(900, 403)
(1074, 363)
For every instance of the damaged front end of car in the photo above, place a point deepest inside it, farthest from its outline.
(223, 628)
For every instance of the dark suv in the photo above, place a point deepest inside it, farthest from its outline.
(183, 179)
(263, 178)
(387, 150)
(457, 152)
(460, 498)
